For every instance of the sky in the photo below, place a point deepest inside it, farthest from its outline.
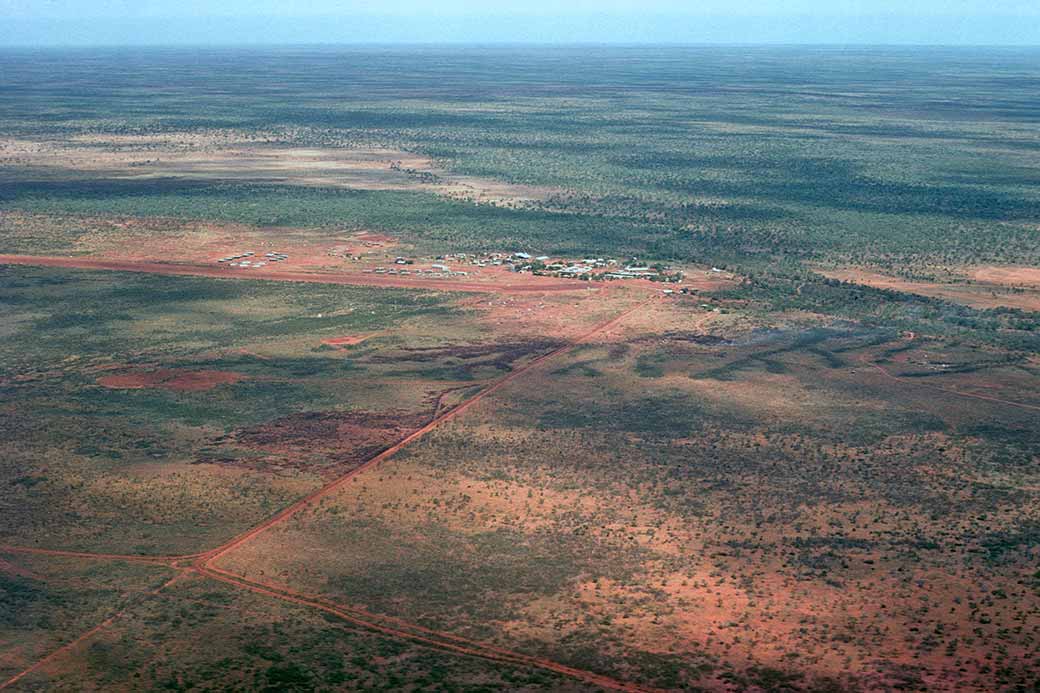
(224, 22)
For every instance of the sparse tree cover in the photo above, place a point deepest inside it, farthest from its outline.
(812, 465)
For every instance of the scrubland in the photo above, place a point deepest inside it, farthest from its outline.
(816, 471)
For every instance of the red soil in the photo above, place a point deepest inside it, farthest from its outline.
(435, 639)
(1011, 276)
(516, 284)
(349, 340)
(179, 381)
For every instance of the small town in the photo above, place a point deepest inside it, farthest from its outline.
(589, 269)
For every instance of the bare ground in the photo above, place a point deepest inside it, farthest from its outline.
(984, 287)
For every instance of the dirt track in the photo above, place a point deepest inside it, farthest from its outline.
(424, 636)
(971, 395)
(203, 563)
(132, 558)
(530, 285)
(71, 645)
(439, 640)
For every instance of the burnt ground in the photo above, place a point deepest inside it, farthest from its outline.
(465, 360)
(337, 441)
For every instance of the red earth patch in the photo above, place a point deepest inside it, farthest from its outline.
(349, 340)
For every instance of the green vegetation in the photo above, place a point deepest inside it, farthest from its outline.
(757, 160)
(650, 159)
(132, 318)
(45, 602)
(773, 486)
(222, 409)
(201, 634)
(598, 528)
(434, 224)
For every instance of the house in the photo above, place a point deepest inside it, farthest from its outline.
(522, 256)
(440, 268)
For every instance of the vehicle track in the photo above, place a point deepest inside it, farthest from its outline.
(452, 413)
(347, 278)
(73, 644)
(907, 381)
(130, 558)
(439, 640)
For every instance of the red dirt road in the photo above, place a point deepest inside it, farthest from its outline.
(311, 498)
(529, 285)
(438, 640)
(73, 644)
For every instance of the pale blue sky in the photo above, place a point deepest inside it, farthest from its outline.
(94, 22)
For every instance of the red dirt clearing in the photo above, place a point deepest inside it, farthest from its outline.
(179, 381)
(991, 287)
(1009, 275)
(370, 237)
(349, 340)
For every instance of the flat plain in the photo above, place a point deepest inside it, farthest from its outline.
(297, 391)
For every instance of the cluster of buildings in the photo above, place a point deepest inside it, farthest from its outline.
(585, 268)
(249, 260)
(436, 270)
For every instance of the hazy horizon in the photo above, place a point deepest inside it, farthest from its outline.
(327, 22)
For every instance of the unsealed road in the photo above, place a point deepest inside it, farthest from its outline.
(529, 285)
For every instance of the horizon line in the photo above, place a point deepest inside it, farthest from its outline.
(517, 44)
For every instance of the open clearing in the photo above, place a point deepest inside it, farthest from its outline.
(237, 157)
(990, 287)
(1007, 276)
(179, 380)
